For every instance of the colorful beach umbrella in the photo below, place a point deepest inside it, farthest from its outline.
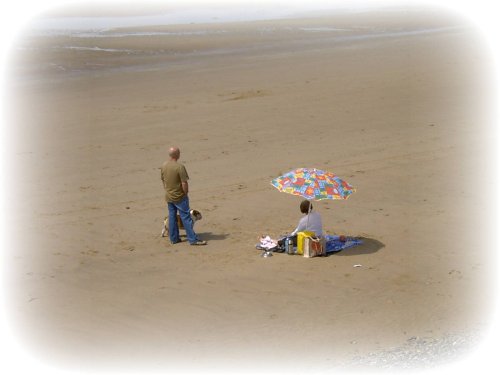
(313, 184)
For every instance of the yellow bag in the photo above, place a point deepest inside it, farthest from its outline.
(301, 236)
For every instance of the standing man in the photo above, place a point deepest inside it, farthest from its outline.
(175, 181)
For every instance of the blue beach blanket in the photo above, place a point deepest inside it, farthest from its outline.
(334, 244)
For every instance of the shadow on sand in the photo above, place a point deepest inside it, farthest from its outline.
(369, 246)
(209, 236)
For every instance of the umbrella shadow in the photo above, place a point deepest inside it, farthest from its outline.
(369, 246)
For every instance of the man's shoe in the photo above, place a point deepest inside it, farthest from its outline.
(199, 243)
(174, 242)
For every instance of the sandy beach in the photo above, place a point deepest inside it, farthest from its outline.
(395, 103)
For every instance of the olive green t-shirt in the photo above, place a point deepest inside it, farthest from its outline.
(172, 175)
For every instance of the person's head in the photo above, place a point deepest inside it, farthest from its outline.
(304, 206)
(174, 153)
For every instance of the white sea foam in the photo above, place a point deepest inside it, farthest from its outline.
(97, 49)
(321, 29)
(111, 33)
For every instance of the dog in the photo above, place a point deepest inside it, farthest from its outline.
(195, 216)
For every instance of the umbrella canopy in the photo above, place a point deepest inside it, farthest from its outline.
(313, 184)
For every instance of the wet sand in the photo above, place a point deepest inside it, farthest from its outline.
(396, 104)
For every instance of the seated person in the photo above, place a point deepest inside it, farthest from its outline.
(310, 222)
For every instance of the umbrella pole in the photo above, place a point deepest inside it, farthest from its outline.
(308, 212)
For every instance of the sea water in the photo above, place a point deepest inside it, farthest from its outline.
(210, 14)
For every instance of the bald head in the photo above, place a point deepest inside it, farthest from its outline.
(174, 153)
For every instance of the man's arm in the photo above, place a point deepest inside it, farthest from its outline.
(184, 179)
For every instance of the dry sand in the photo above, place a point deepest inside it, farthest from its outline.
(401, 115)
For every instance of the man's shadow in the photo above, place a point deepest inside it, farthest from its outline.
(209, 236)
(369, 246)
